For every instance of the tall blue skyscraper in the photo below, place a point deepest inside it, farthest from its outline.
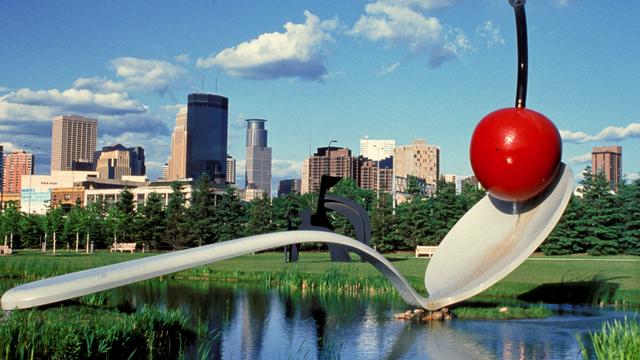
(206, 133)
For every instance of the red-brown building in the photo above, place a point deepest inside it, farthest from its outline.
(608, 160)
(15, 165)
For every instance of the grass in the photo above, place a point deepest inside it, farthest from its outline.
(315, 271)
(81, 332)
(493, 312)
(616, 341)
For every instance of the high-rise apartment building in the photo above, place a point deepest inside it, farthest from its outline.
(1, 169)
(332, 161)
(231, 170)
(419, 160)
(375, 175)
(376, 150)
(73, 140)
(258, 161)
(289, 186)
(608, 160)
(116, 161)
(199, 140)
(15, 165)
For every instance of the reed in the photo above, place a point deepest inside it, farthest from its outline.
(616, 341)
(80, 332)
(493, 312)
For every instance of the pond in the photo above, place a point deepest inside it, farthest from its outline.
(249, 322)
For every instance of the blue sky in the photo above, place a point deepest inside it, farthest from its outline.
(319, 70)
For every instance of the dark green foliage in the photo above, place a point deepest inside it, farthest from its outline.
(601, 221)
(630, 197)
(10, 224)
(563, 240)
(200, 228)
(176, 219)
(229, 217)
(150, 224)
(382, 223)
(89, 333)
(259, 216)
(444, 210)
(32, 229)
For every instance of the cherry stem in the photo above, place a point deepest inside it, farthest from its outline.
(523, 55)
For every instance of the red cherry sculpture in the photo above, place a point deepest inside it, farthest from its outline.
(515, 153)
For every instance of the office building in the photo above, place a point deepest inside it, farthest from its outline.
(15, 165)
(608, 161)
(199, 139)
(258, 160)
(376, 150)
(231, 170)
(332, 161)
(289, 186)
(73, 140)
(1, 168)
(36, 192)
(116, 161)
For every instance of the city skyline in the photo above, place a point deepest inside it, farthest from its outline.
(343, 80)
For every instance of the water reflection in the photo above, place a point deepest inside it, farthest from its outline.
(258, 323)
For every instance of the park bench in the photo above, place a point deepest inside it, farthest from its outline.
(427, 251)
(5, 250)
(123, 247)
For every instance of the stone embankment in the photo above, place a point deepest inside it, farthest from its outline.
(421, 315)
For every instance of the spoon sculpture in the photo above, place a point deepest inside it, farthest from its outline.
(486, 244)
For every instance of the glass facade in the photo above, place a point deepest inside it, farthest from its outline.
(207, 118)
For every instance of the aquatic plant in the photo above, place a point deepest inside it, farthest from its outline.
(616, 341)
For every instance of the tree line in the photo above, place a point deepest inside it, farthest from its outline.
(598, 222)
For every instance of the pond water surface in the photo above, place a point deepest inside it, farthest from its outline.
(247, 322)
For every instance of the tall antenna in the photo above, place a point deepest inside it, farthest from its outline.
(216, 84)
(202, 82)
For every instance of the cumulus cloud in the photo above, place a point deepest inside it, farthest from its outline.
(610, 133)
(147, 75)
(183, 58)
(403, 23)
(389, 69)
(134, 123)
(299, 52)
(580, 159)
(489, 33)
(76, 100)
(4, 89)
(561, 3)
(633, 177)
(285, 168)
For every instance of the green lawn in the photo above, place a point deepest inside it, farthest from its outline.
(548, 279)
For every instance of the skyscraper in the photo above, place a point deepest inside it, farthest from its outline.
(608, 160)
(258, 165)
(199, 140)
(288, 186)
(73, 140)
(376, 150)
(15, 165)
(419, 160)
(231, 170)
(116, 161)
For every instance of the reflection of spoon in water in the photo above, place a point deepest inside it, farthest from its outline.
(483, 247)
(489, 242)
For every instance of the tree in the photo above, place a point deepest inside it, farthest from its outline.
(601, 220)
(125, 214)
(383, 223)
(10, 224)
(176, 218)
(229, 217)
(150, 222)
(32, 229)
(630, 197)
(54, 224)
(259, 216)
(75, 224)
(470, 195)
(200, 214)
(445, 209)
(563, 240)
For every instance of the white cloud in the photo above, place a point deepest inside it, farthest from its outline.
(297, 52)
(74, 100)
(137, 75)
(4, 89)
(183, 58)
(389, 69)
(561, 3)
(610, 133)
(401, 23)
(633, 176)
(285, 168)
(580, 159)
(489, 33)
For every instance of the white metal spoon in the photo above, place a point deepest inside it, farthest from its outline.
(482, 248)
